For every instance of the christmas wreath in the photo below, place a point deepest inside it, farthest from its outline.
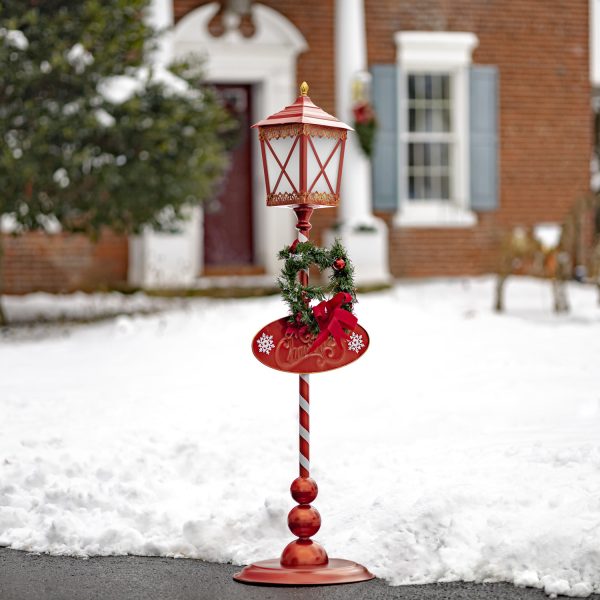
(334, 316)
(365, 125)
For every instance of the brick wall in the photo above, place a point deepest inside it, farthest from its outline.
(541, 50)
(62, 263)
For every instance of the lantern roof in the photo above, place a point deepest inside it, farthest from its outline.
(303, 110)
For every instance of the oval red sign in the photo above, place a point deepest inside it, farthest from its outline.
(279, 349)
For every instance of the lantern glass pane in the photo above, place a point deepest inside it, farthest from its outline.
(324, 147)
(278, 182)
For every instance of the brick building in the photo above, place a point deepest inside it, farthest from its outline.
(484, 124)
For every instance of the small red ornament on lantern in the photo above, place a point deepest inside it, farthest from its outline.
(339, 264)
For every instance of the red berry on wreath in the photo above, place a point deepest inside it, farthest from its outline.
(339, 264)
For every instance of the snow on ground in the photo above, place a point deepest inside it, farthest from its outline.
(463, 446)
(78, 306)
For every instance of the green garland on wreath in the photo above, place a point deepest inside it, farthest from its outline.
(301, 256)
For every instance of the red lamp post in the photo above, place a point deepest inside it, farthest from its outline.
(302, 150)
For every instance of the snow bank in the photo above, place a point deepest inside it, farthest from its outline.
(78, 306)
(463, 446)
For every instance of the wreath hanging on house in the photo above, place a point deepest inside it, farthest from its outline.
(365, 125)
(333, 316)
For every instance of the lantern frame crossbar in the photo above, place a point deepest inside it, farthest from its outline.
(283, 167)
(323, 167)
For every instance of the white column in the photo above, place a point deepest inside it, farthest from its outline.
(166, 259)
(365, 237)
(160, 17)
(350, 60)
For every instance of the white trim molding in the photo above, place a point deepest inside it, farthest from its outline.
(434, 49)
(432, 52)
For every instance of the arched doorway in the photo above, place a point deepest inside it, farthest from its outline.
(243, 236)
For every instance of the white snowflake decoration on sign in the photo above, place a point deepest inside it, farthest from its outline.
(265, 343)
(355, 343)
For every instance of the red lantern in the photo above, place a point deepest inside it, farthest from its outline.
(302, 150)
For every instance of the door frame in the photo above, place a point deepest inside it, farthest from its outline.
(242, 269)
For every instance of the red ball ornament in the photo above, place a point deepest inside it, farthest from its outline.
(339, 264)
(304, 490)
(303, 553)
(304, 521)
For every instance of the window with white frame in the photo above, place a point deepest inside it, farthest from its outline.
(433, 128)
(429, 136)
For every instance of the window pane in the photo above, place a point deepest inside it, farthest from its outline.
(445, 79)
(446, 124)
(419, 87)
(411, 187)
(426, 154)
(419, 158)
(444, 155)
(436, 87)
(417, 120)
(445, 187)
(429, 103)
(411, 87)
(429, 119)
(412, 119)
(428, 170)
(436, 152)
(438, 121)
(436, 186)
(427, 189)
(428, 87)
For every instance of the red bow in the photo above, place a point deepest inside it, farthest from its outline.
(333, 319)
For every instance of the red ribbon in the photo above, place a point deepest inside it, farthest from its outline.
(333, 319)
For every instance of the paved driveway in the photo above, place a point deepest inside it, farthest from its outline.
(26, 576)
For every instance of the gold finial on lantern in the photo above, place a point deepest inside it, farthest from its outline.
(304, 89)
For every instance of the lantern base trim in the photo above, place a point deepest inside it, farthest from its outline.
(296, 199)
(271, 572)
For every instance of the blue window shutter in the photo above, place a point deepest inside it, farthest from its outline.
(483, 119)
(385, 152)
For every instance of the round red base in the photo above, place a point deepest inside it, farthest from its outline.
(270, 572)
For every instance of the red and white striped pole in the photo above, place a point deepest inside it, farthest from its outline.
(304, 520)
(303, 225)
(304, 425)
